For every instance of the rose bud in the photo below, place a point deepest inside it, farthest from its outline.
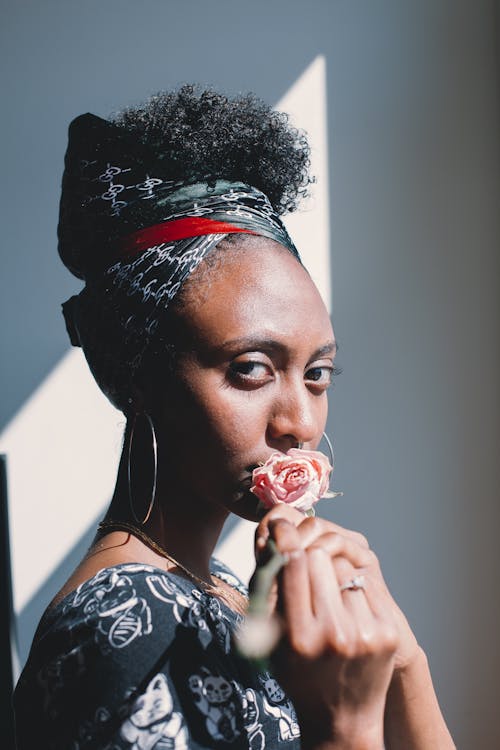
(298, 478)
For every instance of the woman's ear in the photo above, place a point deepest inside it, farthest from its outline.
(136, 402)
(153, 391)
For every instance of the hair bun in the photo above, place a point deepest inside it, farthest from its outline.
(202, 134)
(118, 173)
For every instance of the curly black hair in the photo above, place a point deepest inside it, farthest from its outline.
(203, 135)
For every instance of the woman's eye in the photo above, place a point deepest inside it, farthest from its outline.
(249, 371)
(321, 375)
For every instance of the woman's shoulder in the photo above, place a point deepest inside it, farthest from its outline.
(119, 601)
(130, 606)
(220, 570)
(116, 584)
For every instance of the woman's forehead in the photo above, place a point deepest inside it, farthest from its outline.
(260, 291)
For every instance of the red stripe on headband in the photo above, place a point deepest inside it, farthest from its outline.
(179, 229)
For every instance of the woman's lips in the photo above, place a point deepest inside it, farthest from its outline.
(247, 477)
(246, 482)
(243, 487)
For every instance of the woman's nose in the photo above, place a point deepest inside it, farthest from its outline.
(296, 417)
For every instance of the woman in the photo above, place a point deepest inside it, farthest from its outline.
(198, 320)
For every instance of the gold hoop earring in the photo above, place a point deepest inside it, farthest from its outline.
(327, 441)
(129, 472)
(330, 447)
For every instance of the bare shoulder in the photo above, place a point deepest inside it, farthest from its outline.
(112, 549)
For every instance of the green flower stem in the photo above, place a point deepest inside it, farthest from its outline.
(264, 578)
(260, 631)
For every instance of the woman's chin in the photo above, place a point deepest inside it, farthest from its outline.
(246, 505)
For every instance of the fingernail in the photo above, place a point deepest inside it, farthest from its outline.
(262, 539)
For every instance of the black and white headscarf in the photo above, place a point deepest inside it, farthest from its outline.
(135, 236)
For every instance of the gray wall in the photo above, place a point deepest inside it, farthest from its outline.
(414, 147)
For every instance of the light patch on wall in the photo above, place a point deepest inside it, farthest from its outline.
(64, 444)
(62, 450)
(309, 226)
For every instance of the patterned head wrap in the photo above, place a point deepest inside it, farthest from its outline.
(134, 236)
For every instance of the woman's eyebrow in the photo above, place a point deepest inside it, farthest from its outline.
(330, 348)
(254, 343)
(268, 344)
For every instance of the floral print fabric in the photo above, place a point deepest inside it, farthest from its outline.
(139, 659)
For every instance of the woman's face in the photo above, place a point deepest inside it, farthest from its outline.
(254, 367)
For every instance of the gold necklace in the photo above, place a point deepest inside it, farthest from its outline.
(209, 588)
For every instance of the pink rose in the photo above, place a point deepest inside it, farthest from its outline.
(298, 478)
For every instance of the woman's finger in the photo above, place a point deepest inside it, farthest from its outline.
(346, 623)
(342, 617)
(282, 510)
(337, 545)
(312, 527)
(368, 606)
(309, 527)
(353, 597)
(379, 599)
(326, 601)
(294, 589)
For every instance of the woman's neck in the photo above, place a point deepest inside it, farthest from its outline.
(185, 527)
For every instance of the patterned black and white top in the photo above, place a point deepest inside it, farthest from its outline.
(138, 658)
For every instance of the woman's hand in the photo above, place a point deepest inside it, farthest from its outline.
(340, 655)
(310, 530)
(340, 647)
